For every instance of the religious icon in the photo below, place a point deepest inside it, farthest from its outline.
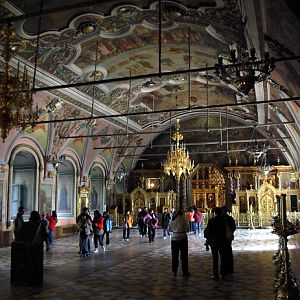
(243, 205)
(94, 198)
(63, 198)
(211, 201)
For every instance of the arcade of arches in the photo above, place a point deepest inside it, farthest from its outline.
(251, 196)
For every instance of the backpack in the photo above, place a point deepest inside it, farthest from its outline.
(109, 225)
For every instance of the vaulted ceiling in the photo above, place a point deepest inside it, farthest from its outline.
(135, 69)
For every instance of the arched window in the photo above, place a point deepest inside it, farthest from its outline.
(23, 183)
(97, 189)
(65, 192)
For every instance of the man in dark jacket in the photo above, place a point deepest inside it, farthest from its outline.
(230, 228)
(215, 233)
(165, 220)
(18, 222)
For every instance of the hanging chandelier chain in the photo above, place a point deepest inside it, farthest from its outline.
(15, 93)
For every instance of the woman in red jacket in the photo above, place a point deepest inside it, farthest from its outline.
(98, 230)
(52, 219)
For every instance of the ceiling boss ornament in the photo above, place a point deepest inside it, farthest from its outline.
(15, 93)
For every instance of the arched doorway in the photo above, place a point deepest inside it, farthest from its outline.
(24, 175)
(65, 192)
(97, 189)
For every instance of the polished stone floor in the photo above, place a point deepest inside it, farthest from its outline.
(140, 270)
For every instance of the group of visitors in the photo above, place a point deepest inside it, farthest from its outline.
(219, 233)
(38, 227)
(147, 223)
(195, 219)
(93, 229)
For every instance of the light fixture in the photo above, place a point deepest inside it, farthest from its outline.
(120, 174)
(264, 167)
(15, 93)
(55, 160)
(243, 70)
(178, 162)
(257, 149)
(54, 105)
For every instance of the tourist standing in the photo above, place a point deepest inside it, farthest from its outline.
(107, 226)
(165, 220)
(190, 218)
(215, 233)
(179, 243)
(144, 226)
(98, 230)
(18, 222)
(127, 222)
(45, 231)
(139, 220)
(52, 219)
(152, 223)
(198, 217)
(230, 229)
(85, 228)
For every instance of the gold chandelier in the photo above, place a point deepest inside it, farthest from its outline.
(15, 93)
(178, 162)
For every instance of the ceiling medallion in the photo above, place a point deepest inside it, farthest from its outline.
(15, 93)
(243, 70)
(87, 27)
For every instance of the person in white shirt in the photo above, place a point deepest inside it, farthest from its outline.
(179, 243)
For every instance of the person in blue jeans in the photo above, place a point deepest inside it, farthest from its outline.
(198, 217)
(85, 229)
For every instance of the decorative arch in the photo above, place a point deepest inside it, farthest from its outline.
(24, 181)
(25, 144)
(13, 191)
(99, 161)
(97, 187)
(66, 188)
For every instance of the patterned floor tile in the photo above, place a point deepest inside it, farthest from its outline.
(141, 270)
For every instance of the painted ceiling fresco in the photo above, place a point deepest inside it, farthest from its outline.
(118, 40)
(126, 46)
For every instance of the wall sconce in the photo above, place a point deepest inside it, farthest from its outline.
(50, 174)
(2, 168)
(85, 181)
